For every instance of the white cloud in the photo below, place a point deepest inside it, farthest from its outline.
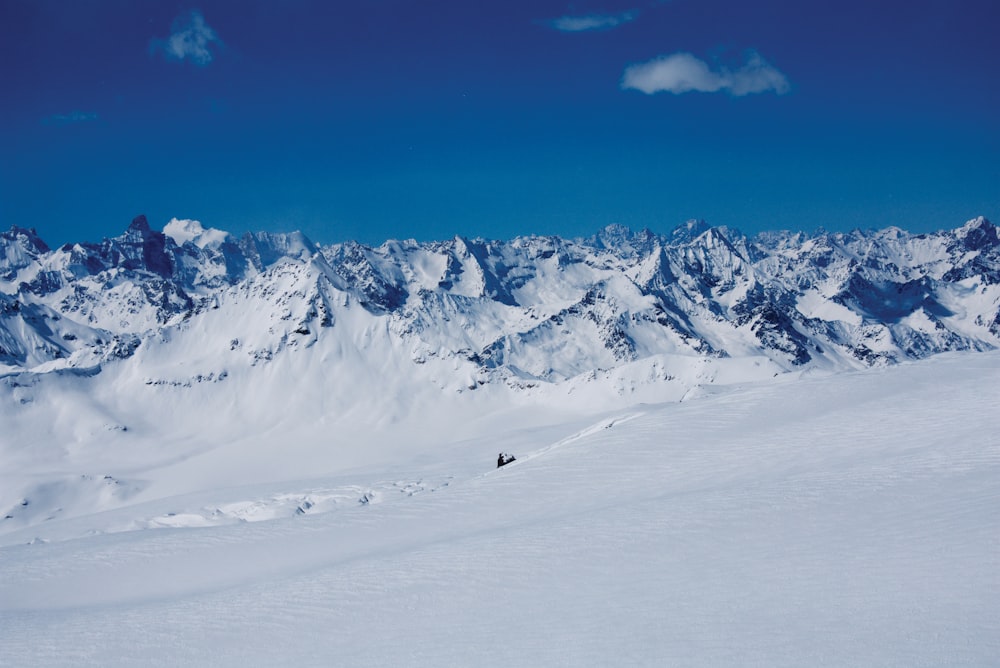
(592, 21)
(190, 39)
(71, 117)
(683, 72)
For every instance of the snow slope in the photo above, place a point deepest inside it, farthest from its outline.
(809, 519)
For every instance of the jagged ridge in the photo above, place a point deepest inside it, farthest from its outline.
(534, 309)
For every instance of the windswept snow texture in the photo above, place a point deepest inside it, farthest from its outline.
(843, 520)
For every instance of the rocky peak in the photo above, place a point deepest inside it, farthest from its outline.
(19, 247)
(622, 241)
(27, 238)
(977, 234)
(140, 225)
(688, 231)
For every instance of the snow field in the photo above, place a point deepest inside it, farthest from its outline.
(844, 520)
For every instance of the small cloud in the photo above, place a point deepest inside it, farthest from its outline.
(682, 72)
(190, 38)
(70, 118)
(592, 21)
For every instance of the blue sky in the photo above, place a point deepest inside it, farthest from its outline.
(381, 119)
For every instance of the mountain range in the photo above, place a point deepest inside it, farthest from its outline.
(174, 362)
(532, 310)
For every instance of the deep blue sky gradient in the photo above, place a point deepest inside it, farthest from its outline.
(403, 118)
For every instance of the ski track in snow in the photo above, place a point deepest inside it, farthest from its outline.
(606, 423)
(841, 521)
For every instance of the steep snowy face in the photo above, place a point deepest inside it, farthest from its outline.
(526, 311)
(33, 336)
(19, 248)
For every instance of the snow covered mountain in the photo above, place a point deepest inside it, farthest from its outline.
(159, 346)
(195, 427)
(102, 344)
(521, 312)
